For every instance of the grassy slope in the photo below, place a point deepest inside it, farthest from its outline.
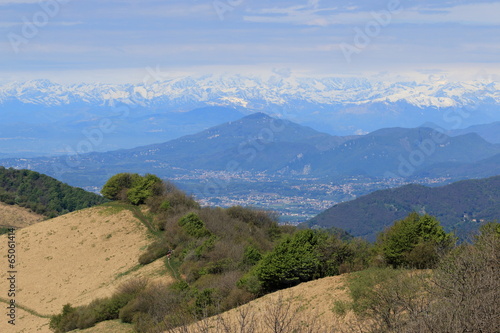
(75, 258)
(18, 217)
(312, 301)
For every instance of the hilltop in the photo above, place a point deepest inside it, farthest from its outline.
(42, 194)
(461, 207)
(17, 217)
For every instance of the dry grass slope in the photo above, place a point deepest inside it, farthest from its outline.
(18, 217)
(311, 302)
(74, 258)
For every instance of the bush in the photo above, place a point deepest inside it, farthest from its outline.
(194, 226)
(154, 251)
(296, 259)
(133, 188)
(253, 216)
(416, 241)
(116, 187)
(87, 316)
(251, 256)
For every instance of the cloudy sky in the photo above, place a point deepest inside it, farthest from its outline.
(120, 40)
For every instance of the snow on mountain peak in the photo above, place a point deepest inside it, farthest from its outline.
(256, 93)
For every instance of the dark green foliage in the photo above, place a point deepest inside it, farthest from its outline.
(43, 194)
(204, 300)
(98, 310)
(251, 256)
(304, 256)
(132, 188)
(296, 259)
(145, 188)
(416, 241)
(117, 186)
(194, 226)
(65, 321)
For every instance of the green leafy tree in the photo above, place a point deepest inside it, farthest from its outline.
(132, 188)
(296, 259)
(194, 226)
(117, 186)
(414, 241)
(144, 188)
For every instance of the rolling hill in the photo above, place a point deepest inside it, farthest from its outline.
(311, 302)
(42, 194)
(75, 258)
(460, 207)
(17, 217)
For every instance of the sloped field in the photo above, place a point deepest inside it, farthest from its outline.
(19, 217)
(74, 259)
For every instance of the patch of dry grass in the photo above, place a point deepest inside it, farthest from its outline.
(17, 217)
(110, 326)
(75, 258)
(311, 303)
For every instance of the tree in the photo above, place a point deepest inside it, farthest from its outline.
(414, 241)
(296, 259)
(132, 188)
(145, 187)
(117, 186)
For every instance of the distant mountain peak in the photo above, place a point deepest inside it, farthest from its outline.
(257, 115)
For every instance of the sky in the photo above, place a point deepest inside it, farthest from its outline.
(121, 41)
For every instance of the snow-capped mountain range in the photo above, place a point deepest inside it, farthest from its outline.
(36, 116)
(256, 93)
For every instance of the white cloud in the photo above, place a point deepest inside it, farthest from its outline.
(474, 14)
(311, 14)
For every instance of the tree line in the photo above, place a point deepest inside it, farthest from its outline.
(43, 194)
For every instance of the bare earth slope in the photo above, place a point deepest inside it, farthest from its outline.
(73, 258)
(18, 217)
(311, 302)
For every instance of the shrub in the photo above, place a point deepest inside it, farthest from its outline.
(251, 256)
(253, 216)
(154, 251)
(415, 241)
(117, 186)
(132, 188)
(87, 316)
(194, 226)
(296, 259)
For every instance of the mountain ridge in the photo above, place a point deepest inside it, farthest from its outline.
(240, 90)
(461, 206)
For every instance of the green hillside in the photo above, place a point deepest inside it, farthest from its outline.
(461, 207)
(43, 194)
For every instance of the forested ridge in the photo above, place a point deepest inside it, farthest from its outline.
(460, 207)
(43, 194)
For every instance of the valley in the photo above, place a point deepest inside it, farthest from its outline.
(277, 164)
